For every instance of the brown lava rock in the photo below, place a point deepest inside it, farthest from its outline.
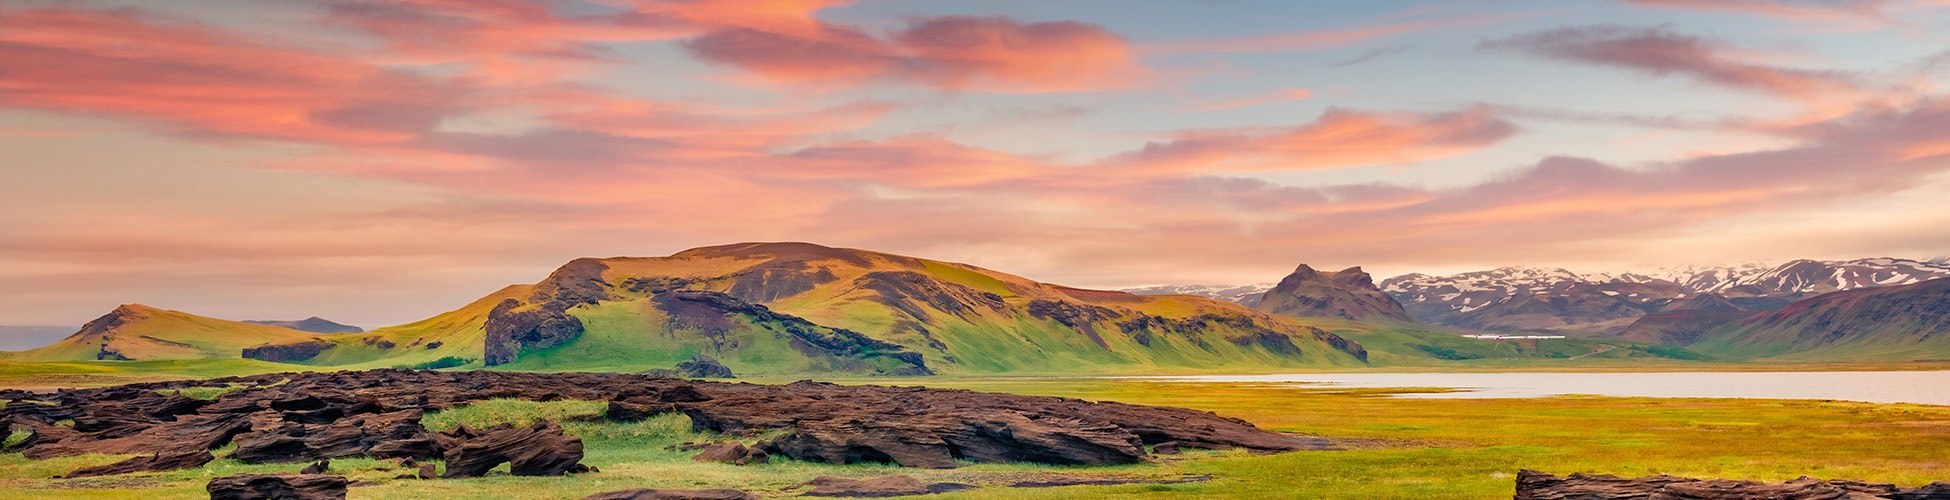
(650, 494)
(536, 450)
(305, 417)
(278, 487)
(1533, 485)
(152, 463)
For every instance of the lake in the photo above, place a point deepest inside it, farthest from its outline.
(1927, 387)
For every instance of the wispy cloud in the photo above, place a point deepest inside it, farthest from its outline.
(1660, 51)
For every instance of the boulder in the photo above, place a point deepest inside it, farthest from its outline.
(732, 453)
(879, 487)
(152, 463)
(650, 494)
(278, 487)
(701, 366)
(319, 467)
(541, 449)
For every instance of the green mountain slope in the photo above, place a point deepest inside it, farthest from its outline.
(1894, 323)
(139, 332)
(782, 308)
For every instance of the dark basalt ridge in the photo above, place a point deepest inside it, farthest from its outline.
(278, 487)
(543, 321)
(152, 463)
(305, 417)
(1533, 485)
(285, 353)
(650, 494)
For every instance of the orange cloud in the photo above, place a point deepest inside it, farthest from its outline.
(949, 52)
(1340, 138)
(206, 80)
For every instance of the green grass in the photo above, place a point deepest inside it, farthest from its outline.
(1396, 447)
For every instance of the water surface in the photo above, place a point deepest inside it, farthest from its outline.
(1927, 387)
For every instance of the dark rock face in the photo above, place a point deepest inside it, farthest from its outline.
(650, 494)
(1347, 294)
(153, 463)
(303, 417)
(701, 366)
(278, 487)
(1533, 485)
(536, 450)
(328, 432)
(544, 322)
(710, 314)
(732, 453)
(312, 324)
(285, 353)
(1350, 347)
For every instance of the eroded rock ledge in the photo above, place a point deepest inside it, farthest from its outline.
(303, 417)
(1533, 485)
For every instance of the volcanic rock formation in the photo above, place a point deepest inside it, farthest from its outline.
(1347, 294)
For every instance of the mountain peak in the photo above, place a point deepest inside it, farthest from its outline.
(1348, 294)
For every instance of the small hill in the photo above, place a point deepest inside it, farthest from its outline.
(139, 332)
(792, 308)
(312, 324)
(1347, 294)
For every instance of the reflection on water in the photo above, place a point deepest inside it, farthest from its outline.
(1927, 387)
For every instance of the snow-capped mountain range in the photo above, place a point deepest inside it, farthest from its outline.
(1526, 298)
(1248, 295)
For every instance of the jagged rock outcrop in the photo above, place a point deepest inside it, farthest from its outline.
(151, 463)
(278, 487)
(301, 417)
(711, 314)
(1534, 485)
(286, 353)
(541, 449)
(1347, 294)
(543, 321)
(731, 453)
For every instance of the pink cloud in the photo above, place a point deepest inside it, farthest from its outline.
(1340, 138)
(207, 80)
(949, 52)
(1785, 9)
(1317, 40)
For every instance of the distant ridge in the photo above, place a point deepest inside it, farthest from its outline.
(16, 338)
(312, 324)
(1345, 294)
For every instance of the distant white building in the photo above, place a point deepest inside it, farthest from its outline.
(1488, 336)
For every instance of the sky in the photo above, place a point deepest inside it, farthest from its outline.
(376, 162)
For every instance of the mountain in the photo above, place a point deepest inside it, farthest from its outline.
(1245, 295)
(312, 324)
(789, 308)
(139, 332)
(1557, 300)
(1899, 322)
(1347, 294)
(15, 338)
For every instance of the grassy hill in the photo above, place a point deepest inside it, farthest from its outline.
(138, 332)
(783, 308)
(1882, 324)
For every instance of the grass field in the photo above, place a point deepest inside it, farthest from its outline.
(1396, 448)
